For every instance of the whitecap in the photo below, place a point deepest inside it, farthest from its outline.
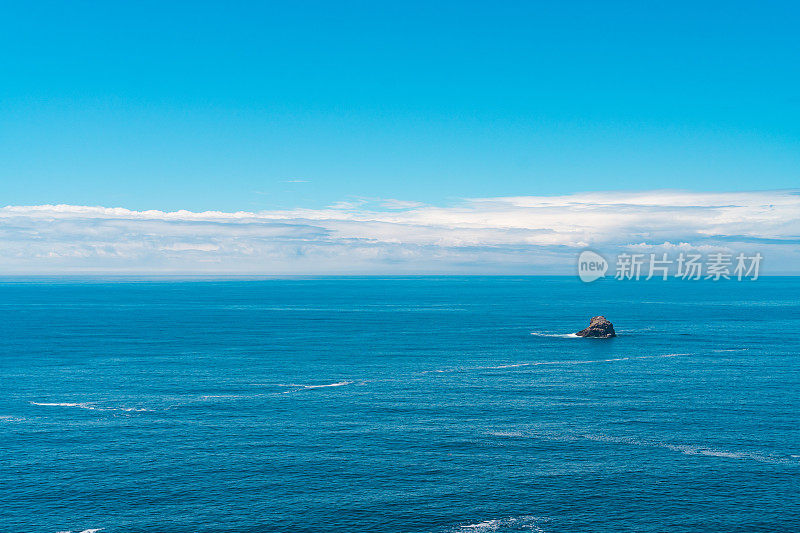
(563, 362)
(320, 386)
(518, 523)
(62, 404)
(486, 525)
(337, 384)
(555, 335)
(89, 406)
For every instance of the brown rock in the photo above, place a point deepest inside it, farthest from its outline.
(599, 328)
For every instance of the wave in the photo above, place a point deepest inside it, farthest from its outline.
(693, 449)
(686, 449)
(555, 335)
(46, 404)
(711, 452)
(84, 531)
(90, 407)
(512, 523)
(300, 387)
(697, 449)
(546, 363)
(337, 384)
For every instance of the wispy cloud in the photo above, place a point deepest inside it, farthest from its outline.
(391, 203)
(525, 234)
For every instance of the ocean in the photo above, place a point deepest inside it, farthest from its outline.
(400, 404)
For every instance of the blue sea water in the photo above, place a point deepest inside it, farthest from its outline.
(430, 404)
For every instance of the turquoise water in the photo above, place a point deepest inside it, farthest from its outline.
(454, 404)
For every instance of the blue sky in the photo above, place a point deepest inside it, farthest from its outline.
(407, 137)
(252, 106)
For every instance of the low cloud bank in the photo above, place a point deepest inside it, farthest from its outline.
(519, 235)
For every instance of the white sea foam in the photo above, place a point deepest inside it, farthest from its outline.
(699, 450)
(555, 335)
(513, 523)
(486, 525)
(563, 362)
(89, 406)
(694, 449)
(62, 404)
(506, 433)
(300, 387)
(686, 449)
(727, 454)
(337, 384)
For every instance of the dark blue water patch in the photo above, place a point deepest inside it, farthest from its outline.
(442, 404)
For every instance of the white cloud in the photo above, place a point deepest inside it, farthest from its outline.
(526, 234)
(392, 203)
